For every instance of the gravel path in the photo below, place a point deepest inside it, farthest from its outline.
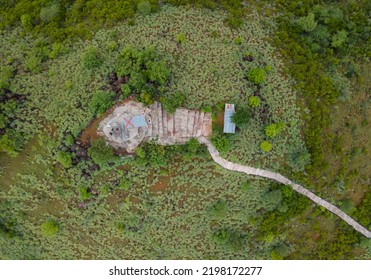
(279, 178)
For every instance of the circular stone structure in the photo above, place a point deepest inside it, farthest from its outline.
(126, 126)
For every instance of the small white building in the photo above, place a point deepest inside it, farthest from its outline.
(229, 125)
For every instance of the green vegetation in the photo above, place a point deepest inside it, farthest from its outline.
(49, 228)
(100, 152)
(274, 129)
(64, 158)
(146, 73)
(256, 75)
(266, 146)
(90, 60)
(241, 117)
(65, 63)
(173, 102)
(100, 102)
(254, 101)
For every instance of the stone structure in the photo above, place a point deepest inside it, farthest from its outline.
(132, 123)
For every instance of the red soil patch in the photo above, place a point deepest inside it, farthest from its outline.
(219, 120)
(161, 184)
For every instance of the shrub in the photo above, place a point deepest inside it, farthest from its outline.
(307, 23)
(172, 102)
(298, 159)
(126, 90)
(158, 72)
(6, 73)
(100, 102)
(219, 210)
(49, 228)
(256, 75)
(26, 21)
(100, 152)
(238, 40)
(140, 152)
(221, 143)
(232, 240)
(144, 8)
(339, 39)
(274, 129)
(156, 154)
(241, 117)
(49, 13)
(254, 101)
(266, 146)
(33, 64)
(124, 184)
(180, 38)
(65, 159)
(91, 60)
(84, 193)
(192, 146)
(10, 144)
(145, 70)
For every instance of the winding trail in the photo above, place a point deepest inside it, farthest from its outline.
(281, 179)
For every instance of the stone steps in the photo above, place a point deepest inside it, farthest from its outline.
(179, 127)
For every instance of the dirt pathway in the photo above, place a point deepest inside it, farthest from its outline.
(279, 178)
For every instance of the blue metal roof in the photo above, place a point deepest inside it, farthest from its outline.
(138, 121)
(229, 126)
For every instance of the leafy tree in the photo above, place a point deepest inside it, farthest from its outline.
(172, 102)
(65, 159)
(146, 72)
(256, 75)
(307, 23)
(100, 152)
(6, 73)
(100, 102)
(158, 72)
(274, 129)
(50, 12)
(339, 39)
(265, 146)
(241, 117)
(144, 7)
(49, 228)
(91, 60)
(26, 21)
(254, 101)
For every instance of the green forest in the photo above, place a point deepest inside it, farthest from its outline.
(297, 71)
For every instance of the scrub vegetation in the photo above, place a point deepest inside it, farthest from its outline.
(295, 72)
